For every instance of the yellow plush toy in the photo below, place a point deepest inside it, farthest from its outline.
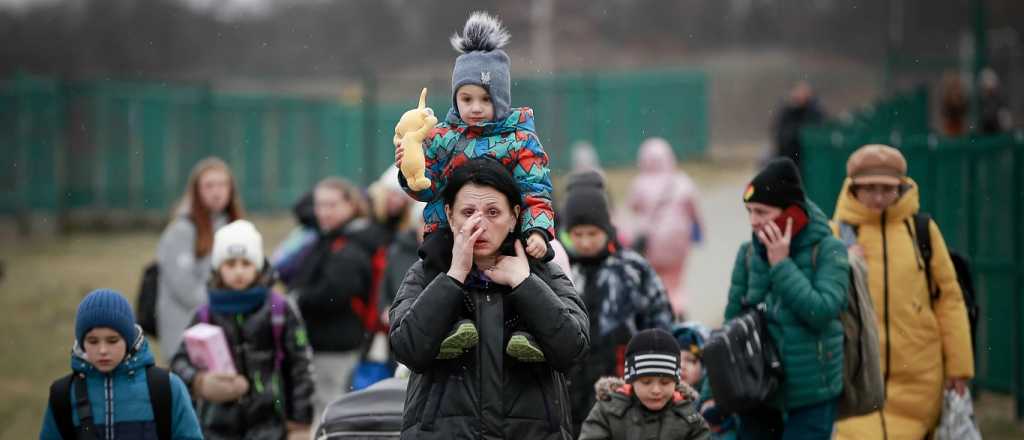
(410, 131)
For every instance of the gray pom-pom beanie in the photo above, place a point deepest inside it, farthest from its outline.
(482, 62)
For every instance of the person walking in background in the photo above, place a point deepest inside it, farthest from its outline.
(389, 206)
(800, 273)
(662, 219)
(995, 113)
(112, 366)
(953, 106)
(210, 201)
(800, 109)
(403, 253)
(336, 274)
(923, 328)
(622, 293)
(691, 336)
(270, 396)
(292, 251)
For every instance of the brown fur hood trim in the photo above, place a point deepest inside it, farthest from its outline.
(605, 386)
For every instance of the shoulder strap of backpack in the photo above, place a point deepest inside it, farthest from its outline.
(60, 406)
(84, 409)
(922, 233)
(158, 380)
(278, 310)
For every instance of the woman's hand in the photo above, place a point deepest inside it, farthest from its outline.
(776, 241)
(511, 271)
(462, 250)
(957, 383)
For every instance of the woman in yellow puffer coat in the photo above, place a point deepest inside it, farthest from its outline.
(925, 343)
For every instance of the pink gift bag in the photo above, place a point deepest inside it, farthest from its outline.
(208, 348)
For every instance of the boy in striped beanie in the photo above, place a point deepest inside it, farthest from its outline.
(649, 399)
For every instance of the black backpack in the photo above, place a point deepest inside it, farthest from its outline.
(960, 265)
(145, 302)
(158, 381)
(743, 364)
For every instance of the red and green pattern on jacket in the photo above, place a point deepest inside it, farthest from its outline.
(513, 141)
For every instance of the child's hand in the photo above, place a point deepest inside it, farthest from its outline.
(399, 154)
(220, 387)
(536, 246)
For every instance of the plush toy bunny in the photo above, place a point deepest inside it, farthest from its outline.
(410, 131)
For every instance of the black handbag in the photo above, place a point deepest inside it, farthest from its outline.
(743, 365)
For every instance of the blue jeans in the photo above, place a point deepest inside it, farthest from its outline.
(811, 422)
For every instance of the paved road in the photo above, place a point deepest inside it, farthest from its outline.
(710, 264)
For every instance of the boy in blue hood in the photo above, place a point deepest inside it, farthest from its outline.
(112, 357)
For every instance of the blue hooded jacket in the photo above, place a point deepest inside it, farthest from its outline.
(120, 399)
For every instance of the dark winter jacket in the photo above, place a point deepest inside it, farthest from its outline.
(623, 295)
(402, 254)
(791, 119)
(336, 270)
(619, 415)
(803, 300)
(274, 396)
(486, 393)
(120, 400)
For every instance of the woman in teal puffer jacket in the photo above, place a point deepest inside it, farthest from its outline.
(801, 273)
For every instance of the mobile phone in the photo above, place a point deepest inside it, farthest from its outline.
(792, 212)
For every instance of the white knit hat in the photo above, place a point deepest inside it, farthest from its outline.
(238, 239)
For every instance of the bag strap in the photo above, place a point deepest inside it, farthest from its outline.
(204, 313)
(60, 406)
(158, 380)
(922, 233)
(278, 309)
(84, 409)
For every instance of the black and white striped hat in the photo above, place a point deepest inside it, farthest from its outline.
(652, 352)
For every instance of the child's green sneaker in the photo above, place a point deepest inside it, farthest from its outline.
(463, 337)
(522, 347)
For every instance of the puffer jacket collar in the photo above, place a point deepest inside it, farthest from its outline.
(852, 211)
(521, 119)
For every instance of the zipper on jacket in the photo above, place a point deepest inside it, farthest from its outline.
(108, 387)
(885, 275)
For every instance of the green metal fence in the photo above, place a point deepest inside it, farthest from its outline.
(974, 189)
(109, 146)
